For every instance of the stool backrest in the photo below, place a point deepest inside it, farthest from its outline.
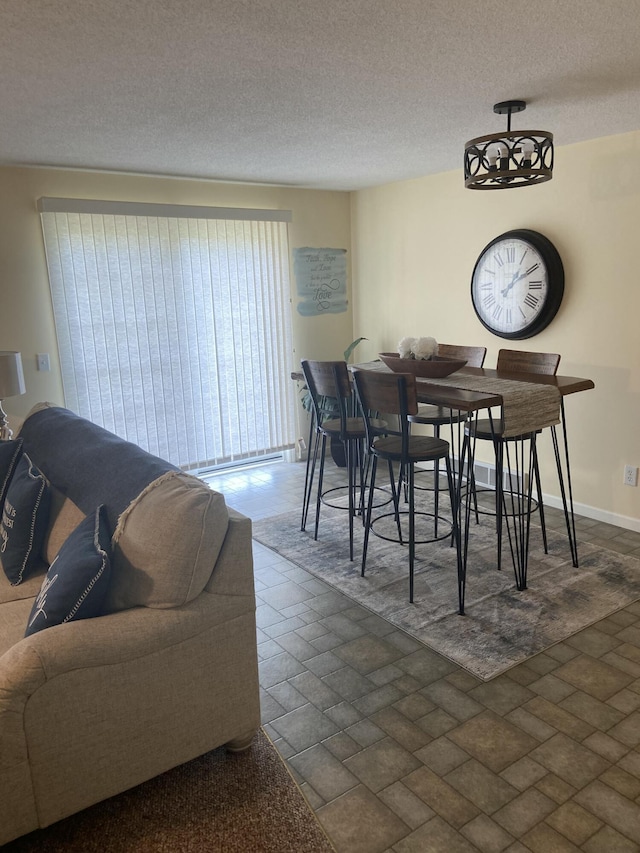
(388, 393)
(474, 355)
(327, 378)
(330, 388)
(517, 361)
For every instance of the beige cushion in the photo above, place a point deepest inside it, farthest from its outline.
(14, 622)
(29, 588)
(166, 544)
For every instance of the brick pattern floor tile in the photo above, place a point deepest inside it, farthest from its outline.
(399, 750)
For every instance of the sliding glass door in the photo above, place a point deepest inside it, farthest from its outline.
(174, 325)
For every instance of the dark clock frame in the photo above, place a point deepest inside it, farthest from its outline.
(555, 278)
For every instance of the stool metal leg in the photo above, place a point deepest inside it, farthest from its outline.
(367, 525)
(349, 451)
(463, 513)
(499, 497)
(412, 527)
(396, 491)
(310, 468)
(536, 474)
(436, 484)
(323, 448)
(519, 537)
(455, 514)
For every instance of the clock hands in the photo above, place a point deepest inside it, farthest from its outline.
(516, 278)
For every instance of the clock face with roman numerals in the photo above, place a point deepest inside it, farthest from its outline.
(517, 284)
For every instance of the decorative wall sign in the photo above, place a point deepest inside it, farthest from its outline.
(321, 277)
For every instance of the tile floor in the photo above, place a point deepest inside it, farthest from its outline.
(397, 749)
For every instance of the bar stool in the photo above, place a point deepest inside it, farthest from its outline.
(437, 416)
(331, 391)
(488, 429)
(395, 393)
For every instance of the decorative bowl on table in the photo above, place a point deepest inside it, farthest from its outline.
(433, 368)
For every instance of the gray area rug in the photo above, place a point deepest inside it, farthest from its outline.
(502, 626)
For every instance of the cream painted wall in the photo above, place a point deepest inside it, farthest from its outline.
(320, 219)
(415, 245)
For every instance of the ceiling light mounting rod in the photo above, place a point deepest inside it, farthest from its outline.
(512, 159)
(509, 107)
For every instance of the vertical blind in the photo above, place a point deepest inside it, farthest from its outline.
(174, 325)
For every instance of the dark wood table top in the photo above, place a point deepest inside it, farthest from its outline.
(457, 398)
(470, 401)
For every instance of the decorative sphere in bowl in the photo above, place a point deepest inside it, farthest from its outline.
(433, 368)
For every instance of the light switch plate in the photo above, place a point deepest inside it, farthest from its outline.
(42, 359)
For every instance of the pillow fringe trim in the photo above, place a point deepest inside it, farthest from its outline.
(122, 520)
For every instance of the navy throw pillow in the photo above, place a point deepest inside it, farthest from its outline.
(25, 517)
(10, 453)
(76, 582)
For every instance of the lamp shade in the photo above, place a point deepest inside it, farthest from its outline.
(11, 375)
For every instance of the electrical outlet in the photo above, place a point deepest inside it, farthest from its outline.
(630, 475)
(42, 359)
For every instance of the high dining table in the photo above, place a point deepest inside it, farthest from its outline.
(526, 407)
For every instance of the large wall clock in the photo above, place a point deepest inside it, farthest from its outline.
(517, 284)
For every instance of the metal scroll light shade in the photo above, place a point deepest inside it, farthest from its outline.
(499, 161)
(11, 385)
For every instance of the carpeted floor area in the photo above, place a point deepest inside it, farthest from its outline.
(502, 626)
(223, 802)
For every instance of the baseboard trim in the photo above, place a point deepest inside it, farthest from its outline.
(485, 476)
(597, 514)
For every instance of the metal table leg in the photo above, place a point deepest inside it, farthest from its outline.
(567, 506)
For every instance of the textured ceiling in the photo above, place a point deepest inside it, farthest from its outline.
(336, 94)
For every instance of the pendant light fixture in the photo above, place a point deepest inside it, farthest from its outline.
(499, 161)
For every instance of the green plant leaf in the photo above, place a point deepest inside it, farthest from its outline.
(305, 399)
(351, 347)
